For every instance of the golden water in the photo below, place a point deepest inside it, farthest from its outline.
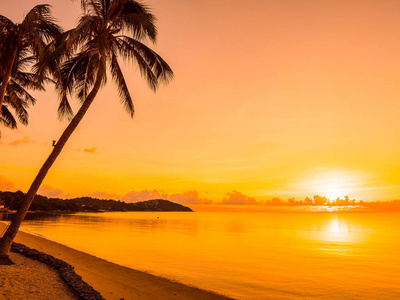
(247, 255)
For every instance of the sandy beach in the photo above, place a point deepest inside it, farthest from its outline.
(30, 277)
(111, 280)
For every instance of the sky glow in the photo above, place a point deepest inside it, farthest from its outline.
(270, 99)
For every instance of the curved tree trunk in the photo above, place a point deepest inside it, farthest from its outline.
(7, 75)
(9, 235)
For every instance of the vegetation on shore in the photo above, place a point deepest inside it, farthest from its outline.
(13, 200)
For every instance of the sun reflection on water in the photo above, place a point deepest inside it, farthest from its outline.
(337, 237)
(337, 226)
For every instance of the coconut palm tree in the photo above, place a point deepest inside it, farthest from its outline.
(16, 96)
(108, 29)
(18, 39)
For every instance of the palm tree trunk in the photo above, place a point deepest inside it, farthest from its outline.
(7, 75)
(9, 235)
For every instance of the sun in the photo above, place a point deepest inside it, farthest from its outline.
(333, 188)
(332, 185)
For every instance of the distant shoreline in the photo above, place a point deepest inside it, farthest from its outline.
(13, 200)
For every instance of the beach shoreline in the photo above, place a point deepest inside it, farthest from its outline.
(114, 281)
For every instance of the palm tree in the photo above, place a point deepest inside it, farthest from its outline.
(16, 96)
(108, 29)
(17, 40)
(19, 106)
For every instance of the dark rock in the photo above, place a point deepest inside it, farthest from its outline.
(67, 273)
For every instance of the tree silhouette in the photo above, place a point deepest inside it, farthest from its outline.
(108, 29)
(22, 42)
(17, 96)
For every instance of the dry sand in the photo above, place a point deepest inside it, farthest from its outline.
(111, 280)
(29, 277)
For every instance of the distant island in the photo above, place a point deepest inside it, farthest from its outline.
(12, 201)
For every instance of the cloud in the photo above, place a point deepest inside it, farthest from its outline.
(24, 140)
(102, 195)
(143, 196)
(189, 197)
(48, 191)
(90, 150)
(6, 185)
(237, 198)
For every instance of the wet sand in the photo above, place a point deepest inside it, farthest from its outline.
(111, 280)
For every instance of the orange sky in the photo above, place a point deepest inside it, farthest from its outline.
(270, 98)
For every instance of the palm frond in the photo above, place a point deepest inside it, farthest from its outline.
(39, 28)
(64, 110)
(76, 74)
(152, 67)
(87, 26)
(30, 80)
(51, 57)
(22, 94)
(5, 23)
(24, 59)
(6, 118)
(86, 78)
(134, 18)
(19, 106)
(123, 91)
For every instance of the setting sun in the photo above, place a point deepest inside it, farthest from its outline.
(332, 185)
(333, 188)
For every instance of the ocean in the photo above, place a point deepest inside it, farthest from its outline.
(287, 253)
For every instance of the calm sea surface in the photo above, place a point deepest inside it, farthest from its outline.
(246, 255)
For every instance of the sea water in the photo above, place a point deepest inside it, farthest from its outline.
(279, 254)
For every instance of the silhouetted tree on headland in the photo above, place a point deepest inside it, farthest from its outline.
(14, 200)
(99, 39)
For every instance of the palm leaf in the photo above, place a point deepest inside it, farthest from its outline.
(21, 92)
(151, 65)
(133, 17)
(19, 107)
(123, 91)
(6, 118)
